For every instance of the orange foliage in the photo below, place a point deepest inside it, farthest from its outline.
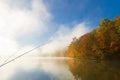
(101, 43)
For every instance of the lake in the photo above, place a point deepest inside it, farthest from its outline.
(36, 68)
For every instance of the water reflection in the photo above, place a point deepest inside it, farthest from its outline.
(35, 74)
(46, 69)
(60, 69)
(93, 70)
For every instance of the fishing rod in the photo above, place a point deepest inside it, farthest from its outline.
(6, 61)
(18, 57)
(12, 55)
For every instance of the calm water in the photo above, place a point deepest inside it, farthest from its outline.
(60, 69)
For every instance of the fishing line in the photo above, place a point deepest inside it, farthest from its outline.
(12, 55)
(18, 56)
(6, 61)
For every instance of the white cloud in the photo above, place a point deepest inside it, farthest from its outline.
(17, 18)
(63, 37)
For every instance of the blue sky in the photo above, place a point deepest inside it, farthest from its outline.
(29, 23)
(70, 12)
(67, 11)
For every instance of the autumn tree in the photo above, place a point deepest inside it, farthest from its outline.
(101, 43)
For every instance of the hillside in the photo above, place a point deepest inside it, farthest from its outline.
(101, 43)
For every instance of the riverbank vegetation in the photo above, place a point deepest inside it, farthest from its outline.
(101, 43)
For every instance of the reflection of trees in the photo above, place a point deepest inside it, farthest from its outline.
(92, 70)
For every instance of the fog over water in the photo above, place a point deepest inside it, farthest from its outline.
(40, 68)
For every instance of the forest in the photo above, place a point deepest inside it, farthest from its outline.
(101, 43)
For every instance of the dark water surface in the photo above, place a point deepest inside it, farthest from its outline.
(60, 69)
